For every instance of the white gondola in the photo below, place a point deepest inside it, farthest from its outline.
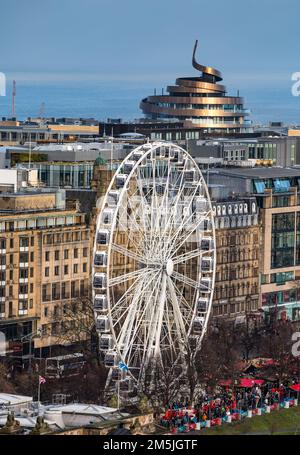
(200, 204)
(106, 342)
(102, 324)
(202, 305)
(128, 166)
(137, 155)
(198, 324)
(99, 281)
(127, 385)
(205, 225)
(190, 176)
(121, 180)
(178, 157)
(111, 359)
(206, 264)
(205, 285)
(160, 189)
(113, 198)
(171, 153)
(103, 237)
(100, 259)
(107, 215)
(207, 243)
(160, 152)
(100, 302)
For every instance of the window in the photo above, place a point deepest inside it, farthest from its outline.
(84, 267)
(23, 273)
(46, 311)
(74, 292)
(23, 288)
(31, 272)
(11, 243)
(56, 255)
(23, 305)
(31, 257)
(23, 258)
(47, 271)
(66, 270)
(85, 252)
(56, 270)
(75, 268)
(31, 288)
(45, 293)
(47, 256)
(32, 241)
(55, 291)
(66, 254)
(31, 303)
(76, 253)
(24, 242)
(283, 240)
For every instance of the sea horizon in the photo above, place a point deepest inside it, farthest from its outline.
(112, 98)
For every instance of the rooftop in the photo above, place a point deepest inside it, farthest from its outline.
(259, 172)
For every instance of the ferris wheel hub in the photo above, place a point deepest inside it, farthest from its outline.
(169, 267)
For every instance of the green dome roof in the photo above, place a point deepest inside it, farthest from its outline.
(99, 161)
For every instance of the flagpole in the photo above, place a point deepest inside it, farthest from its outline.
(39, 395)
(119, 392)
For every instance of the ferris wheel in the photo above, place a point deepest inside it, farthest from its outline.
(154, 260)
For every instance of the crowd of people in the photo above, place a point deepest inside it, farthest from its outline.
(227, 402)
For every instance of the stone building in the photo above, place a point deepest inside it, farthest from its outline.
(237, 248)
(44, 266)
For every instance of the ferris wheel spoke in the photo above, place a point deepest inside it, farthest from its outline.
(185, 280)
(120, 279)
(180, 325)
(190, 255)
(128, 253)
(186, 307)
(124, 335)
(138, 318)
(186, 220)
(187, 234)
(129, 234)
(119, 302)
(131, 217)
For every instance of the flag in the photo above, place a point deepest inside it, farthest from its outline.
(42, 380)
(123, 366)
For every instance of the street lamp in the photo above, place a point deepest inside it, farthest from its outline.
(30, 337)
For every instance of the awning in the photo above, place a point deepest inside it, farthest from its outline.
(295, 387)
(244, 382)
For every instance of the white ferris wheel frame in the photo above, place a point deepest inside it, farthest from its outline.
(147, 151)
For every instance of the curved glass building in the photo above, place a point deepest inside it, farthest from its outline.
(200, 102)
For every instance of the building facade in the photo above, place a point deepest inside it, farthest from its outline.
(280, 262)
(44, 265)
(237, 247)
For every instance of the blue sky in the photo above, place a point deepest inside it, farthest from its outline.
(254, 42)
